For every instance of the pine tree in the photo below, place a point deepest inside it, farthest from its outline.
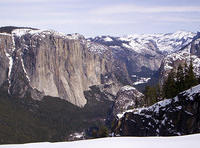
(158, 91)
(169, 88)
(190, 78)
(150, 95)
(146, 95)
(103, 132)
(180, 79)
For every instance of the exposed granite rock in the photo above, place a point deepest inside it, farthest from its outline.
(47, 63)
(5, 43)
(128, 97)
(170, 117)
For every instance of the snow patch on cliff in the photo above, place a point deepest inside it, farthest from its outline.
(141, 81)
(22, 61)
(96, 48)
(10, 65)
(108, 39)
(5, 34)
(127, 88)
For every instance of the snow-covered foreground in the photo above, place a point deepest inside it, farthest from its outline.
(192, 141)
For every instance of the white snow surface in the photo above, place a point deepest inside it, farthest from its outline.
(119, 142)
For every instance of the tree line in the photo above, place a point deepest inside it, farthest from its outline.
(177, 81)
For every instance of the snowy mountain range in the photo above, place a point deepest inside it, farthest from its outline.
(146, 54)
(190, 52)
(148, 43)
(136, 57)
(45, 68)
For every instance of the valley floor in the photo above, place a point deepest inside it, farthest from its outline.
(191, 141)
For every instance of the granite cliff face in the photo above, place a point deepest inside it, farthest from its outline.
(46, 63)
(5, 47)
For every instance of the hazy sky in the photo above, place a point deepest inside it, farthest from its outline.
(103, 17)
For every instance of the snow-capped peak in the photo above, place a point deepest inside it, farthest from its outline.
(149, 43)
(20, 32)
(165, 42)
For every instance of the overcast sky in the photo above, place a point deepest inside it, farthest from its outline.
(103, 17)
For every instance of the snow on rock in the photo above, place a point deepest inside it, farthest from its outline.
(162, 104)
(22, 61)
(169, 117)
(3, 33)
(76, 136)
(141, 81)
(10, 64)
(43, 33)
(185, 55)
(96, 48)
(127, 88)
(8, 53)
(192, 91)
(10, 67)
(181, 56)
(119, 142)
(143, 43)
(20, 32)
(108, 39)
(127, 97)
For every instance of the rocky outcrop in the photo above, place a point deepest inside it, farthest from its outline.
(190, 52)
(46, 63)
(170, 117)
(127, 98)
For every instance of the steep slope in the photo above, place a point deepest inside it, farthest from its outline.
(191, 52)
(176, 116)
(52, 119)
(148, 43)
(143, 54)
(127, 97)
(47, 63)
